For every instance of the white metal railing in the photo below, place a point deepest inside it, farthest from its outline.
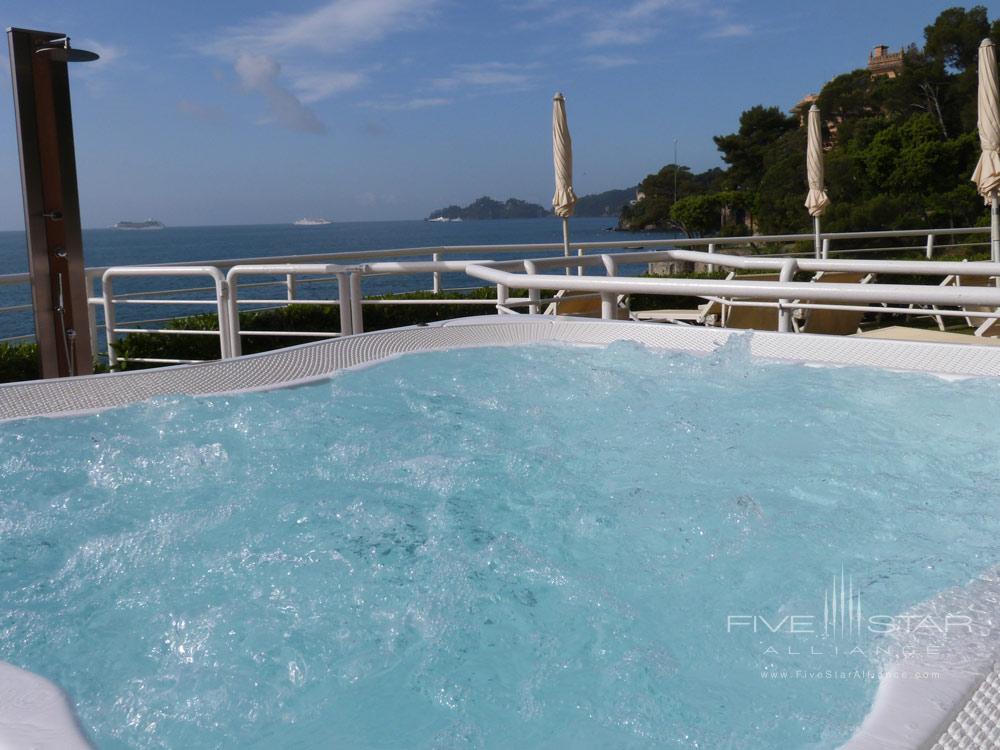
(385, 262)
(348, 282)
(108, 302)
(785, 294)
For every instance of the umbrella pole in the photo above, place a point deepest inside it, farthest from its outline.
(566, 241)
(818, 244)
(994, 231)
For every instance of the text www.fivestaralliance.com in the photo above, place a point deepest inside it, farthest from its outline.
(857, 674)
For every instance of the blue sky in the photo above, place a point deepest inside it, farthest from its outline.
(257, 112)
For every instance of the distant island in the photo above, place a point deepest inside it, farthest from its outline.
(488, 208)
(608, 203)
(147, 224)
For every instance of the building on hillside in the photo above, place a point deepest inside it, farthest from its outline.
(882, 62)
(801, 110)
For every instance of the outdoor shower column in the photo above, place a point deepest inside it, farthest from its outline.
(51, 202)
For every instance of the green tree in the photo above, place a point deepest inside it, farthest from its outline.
(697, 215)
(954, 37)
(901, 149)
(744, 151)
(658, 191)
(780, 200)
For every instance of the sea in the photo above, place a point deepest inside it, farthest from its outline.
(105, 247)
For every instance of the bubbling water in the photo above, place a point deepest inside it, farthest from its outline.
(514, 547)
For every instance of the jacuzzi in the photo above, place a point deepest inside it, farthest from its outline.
(507, 531)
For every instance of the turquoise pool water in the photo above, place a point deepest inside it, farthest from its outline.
(538, 547)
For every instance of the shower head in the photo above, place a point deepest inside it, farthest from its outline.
(60, 51)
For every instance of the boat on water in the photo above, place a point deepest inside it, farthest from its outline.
(312, 222)
(440, 218)
(147, 224)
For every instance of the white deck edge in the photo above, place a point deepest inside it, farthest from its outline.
(36, 714)
(907, 714)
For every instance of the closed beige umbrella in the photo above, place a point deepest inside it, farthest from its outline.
(564, 199)
(987, 174)
(817, 199)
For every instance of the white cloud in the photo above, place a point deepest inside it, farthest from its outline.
(730, 30)
(108, 53)
(95, 74)
(199, 111)
(314, 86)
(257, 49)
(611, 36)
(494, 75)
(637, 22)
(391, 104)
(333, 28)
(259, 73)
(608, 62)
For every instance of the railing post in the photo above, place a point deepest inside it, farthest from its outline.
(711, 251)
(930, 246)
(610, 265)
(232, 289)
(826, 248)
(502, 297)
(609, 306)
(91, 287)
(436, 257)
(225, 326)
(579, 254)
(290, 286)
(357, 310)
(344, 300)
(788, 269)
(534, 295)
(107, 295)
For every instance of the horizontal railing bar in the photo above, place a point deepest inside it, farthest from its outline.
(491, 301)
(770, 263)
(129, 301)
(170, 331)
(558, 247)
(160, 292)
(296, 301)
(916, 311)
(15, 308)
(278, 265)
(303, 334)
(816, 291)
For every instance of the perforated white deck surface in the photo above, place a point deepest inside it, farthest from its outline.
(318, 360)
(975, 725)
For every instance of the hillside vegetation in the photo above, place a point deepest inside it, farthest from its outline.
(900, 151)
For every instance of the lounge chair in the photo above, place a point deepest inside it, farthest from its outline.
(903, 333)
(834, 322)
(716, 312)
(971, 319)
(582, 305)
(756, 317)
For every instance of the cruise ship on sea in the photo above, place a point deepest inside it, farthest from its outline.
(147, 224)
